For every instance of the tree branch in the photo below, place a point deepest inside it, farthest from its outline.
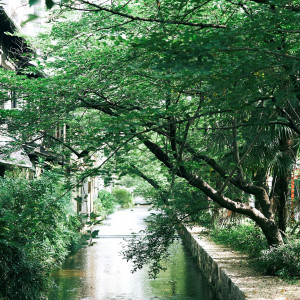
(291, 7)
(197, 182)
(153, 183)
(78, 154)
(236, 151)
(243, 158)
(261, 50)
(136, 18)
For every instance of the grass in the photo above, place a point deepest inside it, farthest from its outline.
(283, 261)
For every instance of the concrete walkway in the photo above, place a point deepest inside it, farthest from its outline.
(231, 276)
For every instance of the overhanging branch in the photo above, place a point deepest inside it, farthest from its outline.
(152, 20)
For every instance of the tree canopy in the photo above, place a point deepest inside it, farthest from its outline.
(209, 89)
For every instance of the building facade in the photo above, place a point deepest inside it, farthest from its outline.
(13, 17)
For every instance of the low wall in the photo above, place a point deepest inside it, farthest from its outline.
(228, 274)
(219, 282)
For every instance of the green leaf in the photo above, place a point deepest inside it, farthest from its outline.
(49, 4)
(94, 233)
(31, 17)
(33, 2)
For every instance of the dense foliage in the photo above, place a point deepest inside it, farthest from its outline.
(123, 197)
(246, 238)
(36, 228)
(204, 92)
(283, 261)
(104, 204)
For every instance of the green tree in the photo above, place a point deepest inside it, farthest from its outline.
(197, 95)
(105, 203)
(123, 197)
(36, 229)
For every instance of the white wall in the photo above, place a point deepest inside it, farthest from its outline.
(18, 11)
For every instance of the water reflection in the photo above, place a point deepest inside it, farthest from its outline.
(99, 272)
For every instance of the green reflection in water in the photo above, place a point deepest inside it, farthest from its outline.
(69, 279)
(100, 273)
(182, 279)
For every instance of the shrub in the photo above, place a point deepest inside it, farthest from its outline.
(21, 276)
(246, 238)
(123, 197)
(283, 261)
(36, 228)
(105, 203)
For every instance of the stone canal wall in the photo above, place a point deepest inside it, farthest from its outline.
(217, 278)
(228, 274)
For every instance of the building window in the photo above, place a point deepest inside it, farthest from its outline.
(13, 99)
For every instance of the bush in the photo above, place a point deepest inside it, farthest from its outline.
(21, 276)
(283, 261)
(105, 203)
(246, 238)
(36, 228)
(123, 197)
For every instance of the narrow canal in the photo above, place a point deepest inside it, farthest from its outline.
(99, 272)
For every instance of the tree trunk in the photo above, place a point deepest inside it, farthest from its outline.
(279, 199)
(266, 223)
(272, 233)
(263, 218)
(216, 209)
(281, 180)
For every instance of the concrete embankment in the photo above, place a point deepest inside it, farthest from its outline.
(229, 275)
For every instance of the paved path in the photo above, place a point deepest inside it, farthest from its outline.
(248, 280)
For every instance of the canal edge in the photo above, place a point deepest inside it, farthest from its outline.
(227, 273)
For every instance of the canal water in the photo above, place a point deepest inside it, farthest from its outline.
(99, 272)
